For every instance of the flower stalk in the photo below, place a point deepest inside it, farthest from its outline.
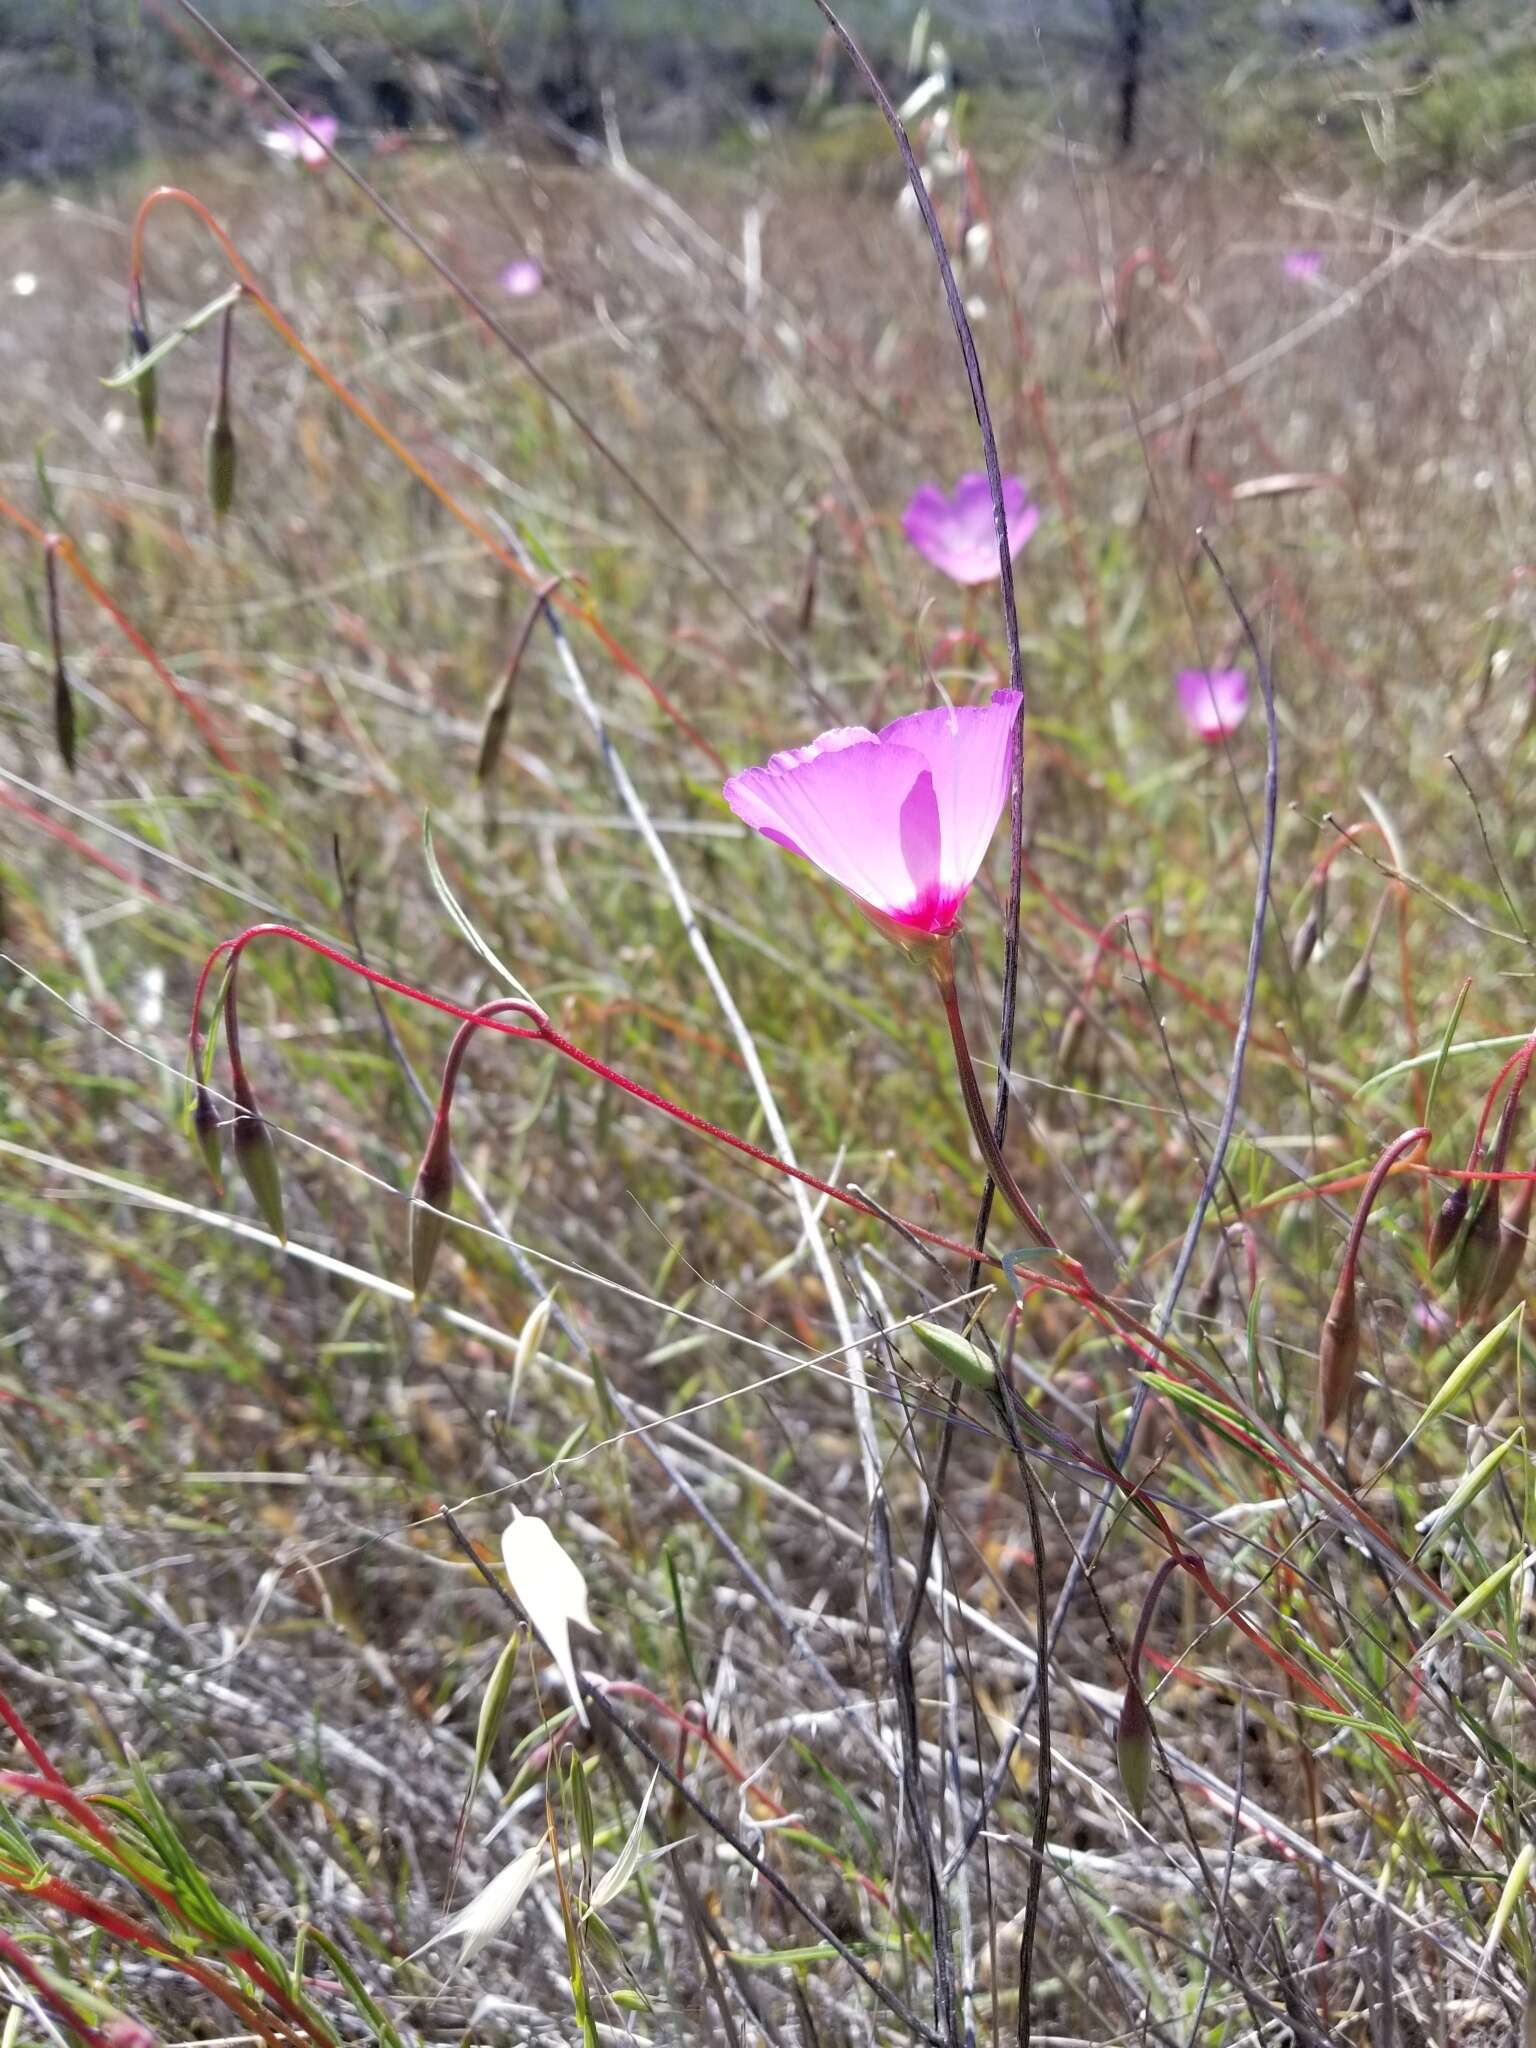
(1338, 1350)
(941, 961)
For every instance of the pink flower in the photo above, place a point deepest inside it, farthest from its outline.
(298, 146)
(902, 817)
(1214, 701)
(522, 278)
(1303, 266)
(956, 533)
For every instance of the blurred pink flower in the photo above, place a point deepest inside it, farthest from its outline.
(1435, 1322)
(1213, 701)
(298, 145)
(1305, 266)
(522, 278)
(901, 818)
(957, 534)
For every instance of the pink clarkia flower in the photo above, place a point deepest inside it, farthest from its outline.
(901, 817)
(957, 534)
(296, 144)
(1214, 701)
(1303, 266)
(522, 279)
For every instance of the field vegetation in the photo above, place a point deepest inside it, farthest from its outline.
(427, 627)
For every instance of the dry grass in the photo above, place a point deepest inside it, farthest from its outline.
(222, 1466)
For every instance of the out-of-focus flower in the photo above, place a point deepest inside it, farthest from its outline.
(901, 818)
(298, 145)
(522, 279)
(1213, 701)
(956, 533)
(24, 283)
(1303, 266)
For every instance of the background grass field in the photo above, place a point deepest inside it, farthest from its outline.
(230, 1611)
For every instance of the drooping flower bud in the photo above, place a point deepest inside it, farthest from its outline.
(63, 696)
(1338, 1349)
(1133, 1748)
(256, 1157)
(1449, 1218)
(220, 456)
(1479, 1249)
(1304, 944)
(431, 1196)
(139, 347)
(64, 717)
(1354, 992)
(1514, 1235)
(205, 1128)
(220, 447)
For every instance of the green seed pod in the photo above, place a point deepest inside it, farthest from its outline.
(579, 1793)
(956, 1354)
(256, 1157)
(494, 1705)
(1133, 1748)
(1354, 992)
(1338, 1352)
(205, 1128)
(431, 1197)
(219, 452)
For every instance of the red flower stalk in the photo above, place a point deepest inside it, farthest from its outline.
(433, 1189)
(1338, 1350)
(541, 1031)
(49, 1995)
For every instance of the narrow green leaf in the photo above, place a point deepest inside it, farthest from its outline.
(130, 373)
(461, 917)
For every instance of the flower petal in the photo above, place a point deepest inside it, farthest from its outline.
(969, 751)
(864, 813)
(1214, 701)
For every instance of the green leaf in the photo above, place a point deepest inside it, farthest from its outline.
(132, 372)
(460, 916)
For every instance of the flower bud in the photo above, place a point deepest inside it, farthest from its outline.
(1354, 992)
(1338, 1351)
(956, 1354)
(1133, 1748)
(431, 1196)
(256, 1157)
(1514, 1235)
(219, 453)
(1304, 944)
(1479, 1248)
(145, 386)
(1446, 1228)
(205, 1128)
